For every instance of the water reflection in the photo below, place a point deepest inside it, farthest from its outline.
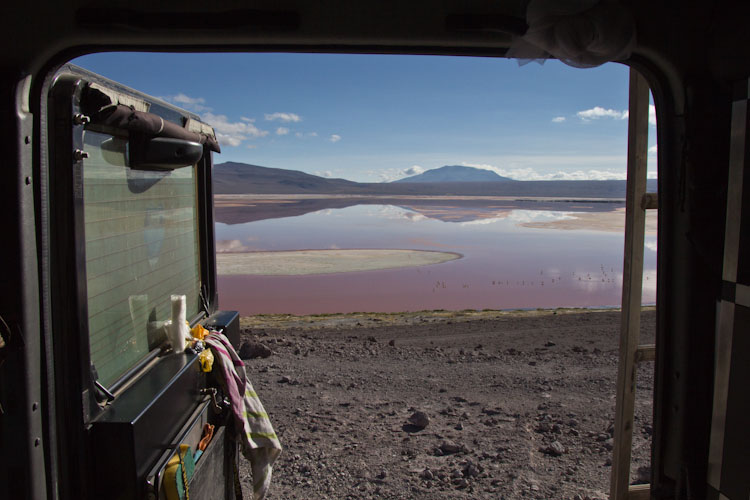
(506, 264)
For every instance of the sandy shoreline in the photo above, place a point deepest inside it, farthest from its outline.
(307, 262)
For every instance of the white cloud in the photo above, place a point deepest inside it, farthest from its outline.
(302, 135)
(558, 119)
(334, 138)
(653, 150)
(283, 117)
(196, 104)
(392, 174)
(231, 246)
(325, 173)
(232, 133)
(413, 170)
(598, 112)
(525, 216)
(530, 174)
(282, 131)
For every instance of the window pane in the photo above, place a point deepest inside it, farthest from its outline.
(141, 247)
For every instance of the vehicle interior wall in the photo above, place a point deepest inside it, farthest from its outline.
(692, 53)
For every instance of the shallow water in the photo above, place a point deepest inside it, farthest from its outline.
(504, 265)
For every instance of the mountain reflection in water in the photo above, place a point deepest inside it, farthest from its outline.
(517, 253)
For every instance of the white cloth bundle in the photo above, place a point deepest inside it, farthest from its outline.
(580, 33)
(178, 332)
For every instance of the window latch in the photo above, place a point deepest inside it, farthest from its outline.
(103, 396)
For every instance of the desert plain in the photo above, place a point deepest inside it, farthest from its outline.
(445, 405)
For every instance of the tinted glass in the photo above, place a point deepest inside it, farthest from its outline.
(141, 247)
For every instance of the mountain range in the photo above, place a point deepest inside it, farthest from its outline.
(243, 178)
(456, 173)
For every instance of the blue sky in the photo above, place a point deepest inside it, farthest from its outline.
(374, 118)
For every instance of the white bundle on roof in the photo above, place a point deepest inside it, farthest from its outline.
(580, 33)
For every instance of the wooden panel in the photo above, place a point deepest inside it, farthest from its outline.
(635, 220)
(645, 352)
(650, 201)
(639, 492)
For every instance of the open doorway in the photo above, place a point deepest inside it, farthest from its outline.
(517, 404)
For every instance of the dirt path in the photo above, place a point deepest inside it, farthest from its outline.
(520, 405)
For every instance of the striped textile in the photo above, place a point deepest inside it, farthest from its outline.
(253, 428)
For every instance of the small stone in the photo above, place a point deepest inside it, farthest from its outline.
(392, 342)
(556, 449)
(461, 483)
(449, 447)
(427, 475)
(251, 350)
(471, 470)
(419, 419)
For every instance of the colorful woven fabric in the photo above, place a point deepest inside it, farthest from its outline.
(254, 431)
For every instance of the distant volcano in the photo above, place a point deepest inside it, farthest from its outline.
(456, 173)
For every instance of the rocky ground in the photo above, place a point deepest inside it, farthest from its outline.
(445, 405)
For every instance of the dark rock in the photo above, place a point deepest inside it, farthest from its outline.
(426, 474)
(251, 350)
(556, 449)
(461, 483)
(288, 380)
(449, 447)
(471, 470)
(643, 475)
(419, 419)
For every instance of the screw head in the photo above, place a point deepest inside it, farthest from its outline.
(80, 155)
(80, 119)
